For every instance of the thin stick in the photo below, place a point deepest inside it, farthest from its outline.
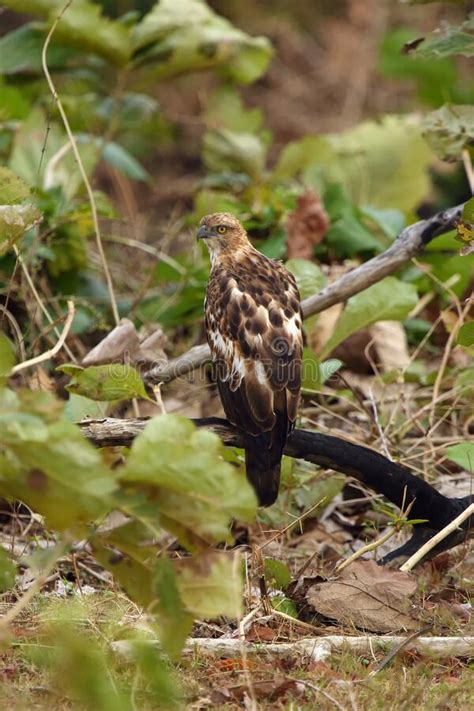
(398, 648)
(466, 159)
(366, 549)
(24, 600)
(440, 536)
(15, 328)
(56, 348)
(90, 194)
(40, 302)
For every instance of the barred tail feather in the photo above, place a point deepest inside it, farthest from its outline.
(263, 468)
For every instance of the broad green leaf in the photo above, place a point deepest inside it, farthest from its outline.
(7, 571)
(299, 155)
(82, 25)
(47, 463)
(310, 371)
(179, 36)
(105, 382)
(174, 621)
(309, 276)
(466, 334)
(390, 221)
(468, 211)
(78, 408)
(285, 605)
(7, 358)
(449, 130)
(225, 109)
(388, 300)
(328, 367)
(31, 153)
(196, 492)
(15, 220)
(20, 51)
(277, 573)
(121, 159)
(448, 40)
(239, 152)
(380, 163)
(211, 584)
(12, 188)
(347, 234)
(462, 454)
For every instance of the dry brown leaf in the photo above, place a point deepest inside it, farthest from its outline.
(122, 345)
(391, 345)
(306, 225)
(367, 595)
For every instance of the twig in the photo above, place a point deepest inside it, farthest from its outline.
(466, 159)
(25, 599)
(56, 348)
(366, 549)
(398, 648)
(440, 536)
(90, 194)
(40, 302)
(410, 242)
(15, 328)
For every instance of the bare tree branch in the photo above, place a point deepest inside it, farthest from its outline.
(410, 242)
(397, 483)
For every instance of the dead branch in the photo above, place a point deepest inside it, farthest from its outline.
(410, 242)
(397, 483)
(315, 648)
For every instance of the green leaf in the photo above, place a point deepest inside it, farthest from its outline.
(15, 220)
(7, 572)
(468, 211)
(309, 276)
(310, 372)
(121, 159)
(20, 51)
(225, 109)
(183, 468)
(7, 358)
(105, 382)
(466, 334)
(228, 150)
(299, 155)
(285, 605)
(388, 300)
(46, 462)
(448, 40)
(12, 188)
(380, 163)
(277, 574)
(327, 369)
(449, 130)
(211, 584)
(174, 621)
(186, 35)
(462, 454)
(82, 25)
(347, 234)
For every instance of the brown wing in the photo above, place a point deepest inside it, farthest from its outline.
(254, 329)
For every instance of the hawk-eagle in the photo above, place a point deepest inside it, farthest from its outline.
(254, 330)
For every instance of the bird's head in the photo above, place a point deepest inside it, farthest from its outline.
(223, 233)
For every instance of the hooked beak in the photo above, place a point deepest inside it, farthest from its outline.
(202, 232)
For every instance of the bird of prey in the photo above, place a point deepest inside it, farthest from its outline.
(254, 330)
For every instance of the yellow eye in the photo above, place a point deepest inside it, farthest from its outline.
(222, 230)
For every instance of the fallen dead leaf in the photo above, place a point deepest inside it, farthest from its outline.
(368, 596)
(123, 345)
(306, 226)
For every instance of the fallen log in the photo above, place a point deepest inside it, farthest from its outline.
(394, 481)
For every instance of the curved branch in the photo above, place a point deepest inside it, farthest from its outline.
(410, 242)
(395, 482)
